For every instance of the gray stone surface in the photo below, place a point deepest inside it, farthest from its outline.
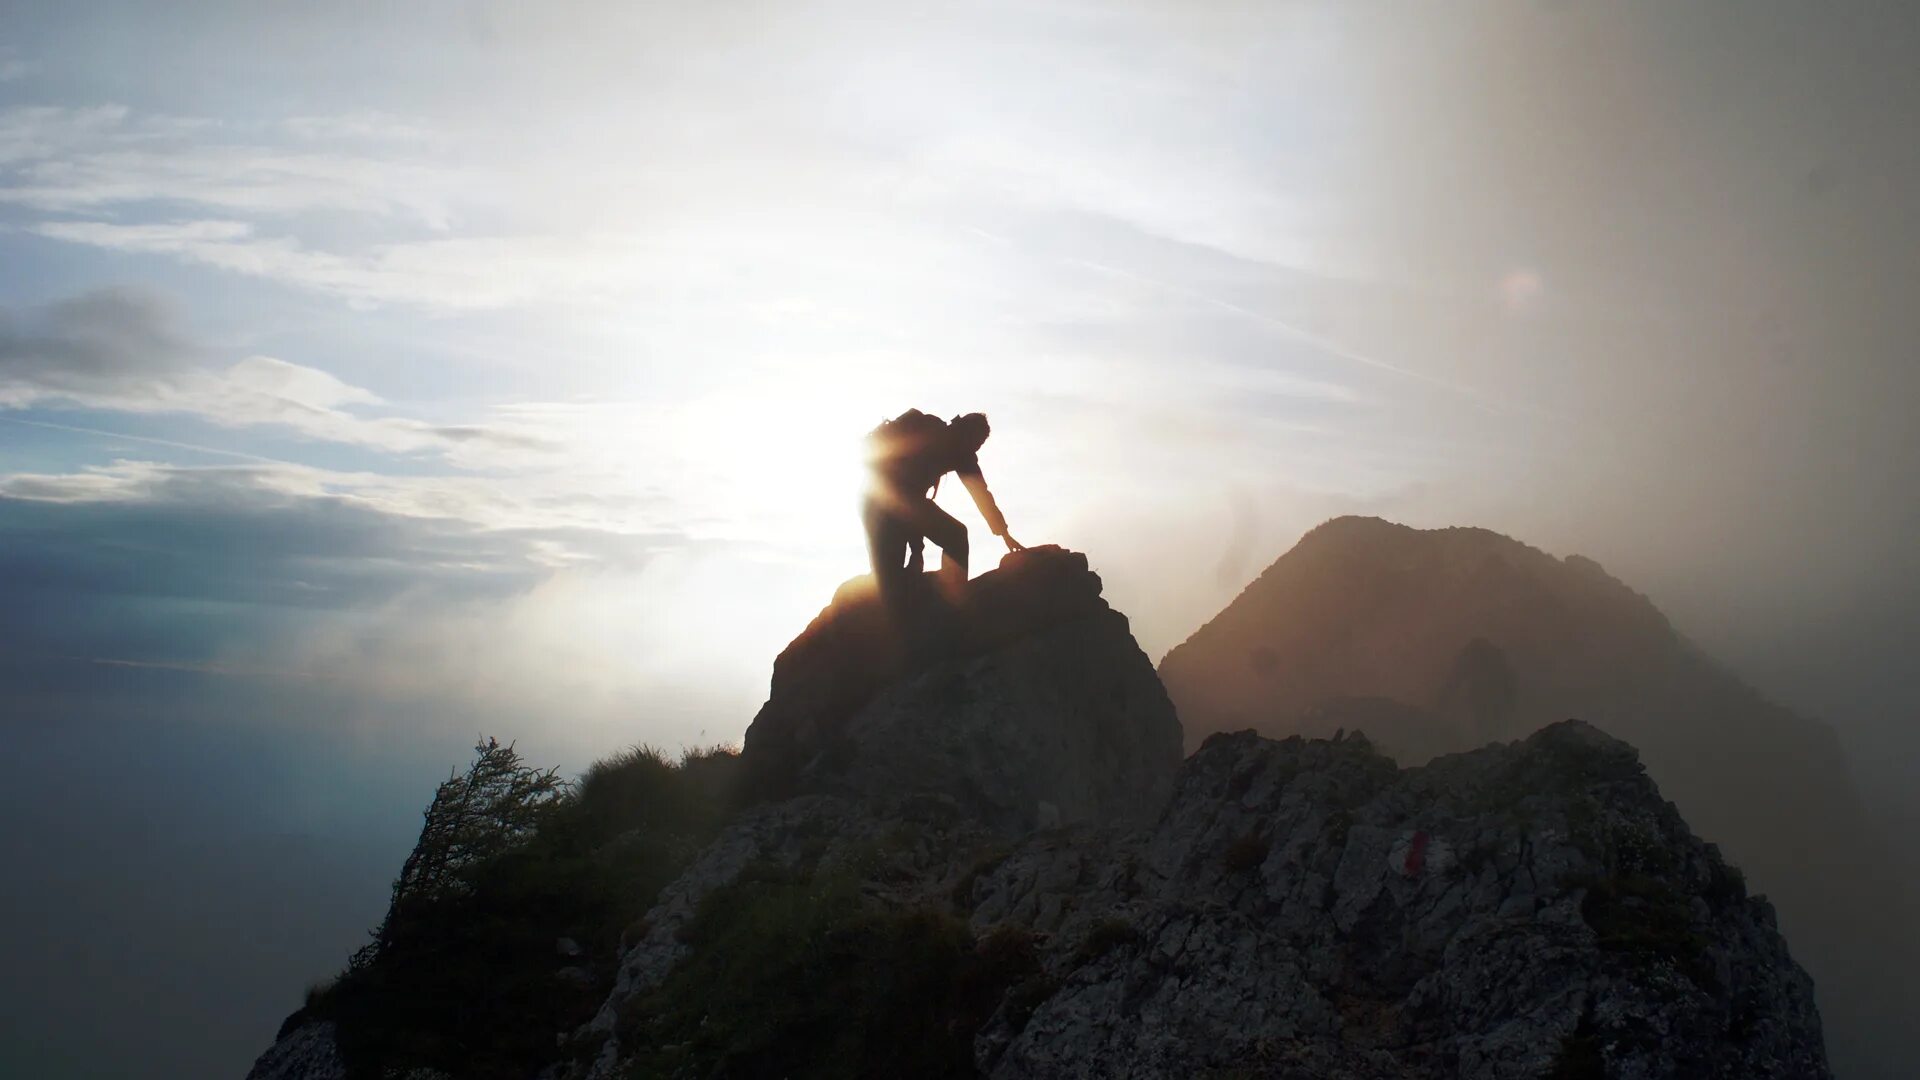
(1271, 924)
(307, 1052)
(1307, 909)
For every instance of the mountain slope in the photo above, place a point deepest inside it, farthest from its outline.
(969, 848)
(1439, 640)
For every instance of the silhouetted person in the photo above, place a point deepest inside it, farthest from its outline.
(909, 454)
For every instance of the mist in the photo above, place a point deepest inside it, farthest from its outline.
(370, 386)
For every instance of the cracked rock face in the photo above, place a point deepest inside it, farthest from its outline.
(1276, 921)
(1307, 909)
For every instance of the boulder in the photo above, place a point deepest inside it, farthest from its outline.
(1022, 696)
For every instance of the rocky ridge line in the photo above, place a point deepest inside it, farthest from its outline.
(1006, 779)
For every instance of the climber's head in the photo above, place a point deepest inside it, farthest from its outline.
(971, 429)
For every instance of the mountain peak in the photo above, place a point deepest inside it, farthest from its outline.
(1022, 695)
(971, 850)
(1363, 606)
(1434, 641)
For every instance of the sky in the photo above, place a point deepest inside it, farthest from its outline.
(375, 377)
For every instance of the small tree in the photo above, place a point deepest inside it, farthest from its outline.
(494, 808)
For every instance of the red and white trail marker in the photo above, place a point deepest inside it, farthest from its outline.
(1419, 852)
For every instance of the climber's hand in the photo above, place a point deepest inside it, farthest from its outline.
(1012, 544)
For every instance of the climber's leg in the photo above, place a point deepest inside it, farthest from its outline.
(945, 530)
(887, 539)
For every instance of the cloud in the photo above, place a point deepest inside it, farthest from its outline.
(65, 159)
(277, 572)
(12, 67)
(455, 274)
(248, 518)
(369, 125)
(247, 541)
(96, 337)
(549, 528)
(122, 350)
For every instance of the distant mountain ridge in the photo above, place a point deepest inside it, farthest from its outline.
(1433, 641)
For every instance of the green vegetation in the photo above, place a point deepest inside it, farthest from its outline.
(1639, 906)
(1637, 847)
(1645, 916)
(1581, 1056)
(797, 973)
(1014, 952)
(464, 974)
(1726, 885)
(987, 863)
(1107, 935)
(473, 821)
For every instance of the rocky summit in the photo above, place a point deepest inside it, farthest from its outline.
(1022, 696)
(970, 850)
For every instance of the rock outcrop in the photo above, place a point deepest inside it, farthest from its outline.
(1288, 909)
(1433, 641)
(1024, 698)
(1308, 909)
(973, 852)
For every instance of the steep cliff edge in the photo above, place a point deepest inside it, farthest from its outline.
(971, 850)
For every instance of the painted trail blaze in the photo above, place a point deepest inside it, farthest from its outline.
(1419, 852)
(1416, 854)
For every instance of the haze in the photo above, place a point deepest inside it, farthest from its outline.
(373, 377)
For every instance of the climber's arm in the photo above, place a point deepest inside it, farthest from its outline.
(982, 498)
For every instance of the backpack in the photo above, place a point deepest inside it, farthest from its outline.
(897, 441)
